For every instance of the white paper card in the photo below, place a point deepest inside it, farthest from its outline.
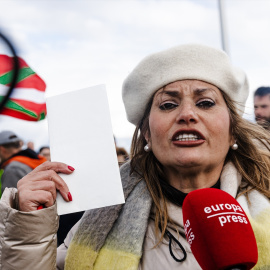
(81, 136)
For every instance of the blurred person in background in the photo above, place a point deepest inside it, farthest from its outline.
(121, 152)
(187, 104)
(122, 155)
(45, 152)
(15, 162)
(262, 107)
(31, 145)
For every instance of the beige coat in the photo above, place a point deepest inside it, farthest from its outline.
(27, 239)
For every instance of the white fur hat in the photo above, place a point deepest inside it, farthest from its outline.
(190, 61)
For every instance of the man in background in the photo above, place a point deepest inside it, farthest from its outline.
(262, 107)
(45, 152)
(15, 162)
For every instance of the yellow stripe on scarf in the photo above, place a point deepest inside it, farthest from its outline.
(261, 228)
(81, 260)
(107, 259)
(117, 260)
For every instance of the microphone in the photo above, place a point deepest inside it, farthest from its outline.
(218, 231)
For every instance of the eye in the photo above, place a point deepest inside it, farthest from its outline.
(167, 106)
(205, 104)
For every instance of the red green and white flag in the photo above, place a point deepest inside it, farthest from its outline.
(27, 100)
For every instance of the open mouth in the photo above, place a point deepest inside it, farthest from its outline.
(187, 136)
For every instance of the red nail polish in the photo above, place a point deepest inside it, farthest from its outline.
(71, 168)
(69, 197)
(40, 207)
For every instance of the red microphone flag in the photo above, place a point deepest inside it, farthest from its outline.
(218, 230)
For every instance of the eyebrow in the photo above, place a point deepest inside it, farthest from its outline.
(201, 91)
(197, 92)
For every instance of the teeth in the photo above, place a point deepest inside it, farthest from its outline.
(187, 137)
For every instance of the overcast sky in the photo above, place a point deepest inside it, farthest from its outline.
(73, 44)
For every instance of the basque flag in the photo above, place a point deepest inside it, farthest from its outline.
(27, 100)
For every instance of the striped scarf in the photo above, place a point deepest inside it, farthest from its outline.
(112, 237)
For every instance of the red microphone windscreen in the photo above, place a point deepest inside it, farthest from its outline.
(218, 230)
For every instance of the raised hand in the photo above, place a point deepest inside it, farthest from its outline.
(38, 188)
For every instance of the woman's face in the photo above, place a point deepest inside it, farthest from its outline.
(189, 126)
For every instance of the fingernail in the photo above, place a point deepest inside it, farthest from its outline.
(40, 207)
(69, 197)
(71, 168)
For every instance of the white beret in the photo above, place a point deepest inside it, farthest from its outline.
(189, 61)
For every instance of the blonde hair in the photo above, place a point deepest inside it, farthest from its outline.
(252, 159)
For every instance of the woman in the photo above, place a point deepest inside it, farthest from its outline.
(186, 103)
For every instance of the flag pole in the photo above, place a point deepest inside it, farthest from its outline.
(224, 39)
